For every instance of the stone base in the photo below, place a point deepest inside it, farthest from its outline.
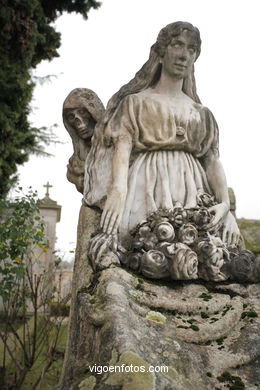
(198, 332)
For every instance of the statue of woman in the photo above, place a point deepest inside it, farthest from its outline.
(157, 145)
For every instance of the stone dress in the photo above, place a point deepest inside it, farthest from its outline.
(168, 147)
(169, 144)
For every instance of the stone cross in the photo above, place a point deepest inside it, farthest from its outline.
(48, 185)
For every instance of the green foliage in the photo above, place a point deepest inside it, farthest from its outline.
(26, 38)
(21, 232)
(29, 331)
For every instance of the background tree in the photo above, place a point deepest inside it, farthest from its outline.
(26, 38)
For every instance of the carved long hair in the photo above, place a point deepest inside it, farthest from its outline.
(150, 72)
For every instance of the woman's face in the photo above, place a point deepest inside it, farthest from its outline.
(180, 55)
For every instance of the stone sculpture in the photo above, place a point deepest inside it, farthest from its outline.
(157, 204)
(153, 171)
(82, 109)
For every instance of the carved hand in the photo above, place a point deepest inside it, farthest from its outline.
(219, 212)
(231, 234)
(113, 210)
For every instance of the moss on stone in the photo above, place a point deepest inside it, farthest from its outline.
(205, 297)
(132, 380)
(88, 383)
(220, 340)
(225, 377)
(135, 294)
(191, 321)
(181, 379)
(195, 328)
(173, 374)
(166, 311)
(225, 311)
(156, 317)
(250, 314)
(114, 357)
(235, 382)
(213, 319)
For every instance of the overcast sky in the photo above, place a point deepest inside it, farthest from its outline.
(105, 52)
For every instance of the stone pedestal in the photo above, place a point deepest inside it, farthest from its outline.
(204, 336)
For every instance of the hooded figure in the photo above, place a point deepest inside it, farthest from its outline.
(82, 109)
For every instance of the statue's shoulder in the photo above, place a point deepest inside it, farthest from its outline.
(203, 110)
(134, 97)
(133, 100)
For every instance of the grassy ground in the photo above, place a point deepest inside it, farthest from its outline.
(51, 377)
(18, 326)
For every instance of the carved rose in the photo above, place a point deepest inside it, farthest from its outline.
(183, 264)
(188, 234)
(205, 199)
(150, 244)
(154, 265)
(144, 231)
(212, 255)
(137, 243)
(242, 265)
(178, 216)
(134, 261)
(201, 216)
(256, 271)
(169, 250)
(165, 232)
(145, 239)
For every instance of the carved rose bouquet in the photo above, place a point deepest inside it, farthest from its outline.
(174, 243)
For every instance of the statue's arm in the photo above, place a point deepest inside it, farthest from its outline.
(75, 172)
(115, 203)
(222, 215)
(218, 184)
